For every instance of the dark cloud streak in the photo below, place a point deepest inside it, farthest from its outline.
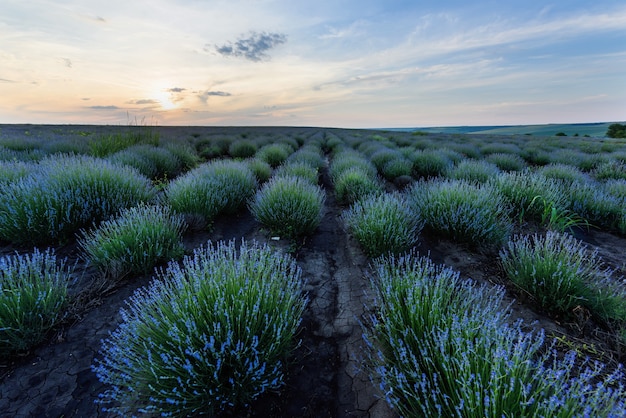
(104, 107)
(253, 48)
(204, 96)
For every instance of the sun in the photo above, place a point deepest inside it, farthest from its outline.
(164, 97)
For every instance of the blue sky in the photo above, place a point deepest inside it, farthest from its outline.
(366, 63)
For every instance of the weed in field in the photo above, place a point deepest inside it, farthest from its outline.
(476, 214)
(442, 346)
(591, 201)
(289, 207)
(134, 242)
(555, 218)
(205, 337)
(382, 224)
(561, 274)
(33, 294)
(108, 144)
(522, 188)
(65, 194)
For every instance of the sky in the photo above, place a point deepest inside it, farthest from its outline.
(324, 63)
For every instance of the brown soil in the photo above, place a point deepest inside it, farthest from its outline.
(328, 375)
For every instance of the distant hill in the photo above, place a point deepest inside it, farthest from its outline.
(570, 129)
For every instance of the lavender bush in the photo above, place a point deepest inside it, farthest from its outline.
(205, 337)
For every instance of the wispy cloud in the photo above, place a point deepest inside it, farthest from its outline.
(4, 80)
(204, 96)
(353, 29)
(67, 62)
(176, 90)
(110, 107)
(253, 48)
(143, 102)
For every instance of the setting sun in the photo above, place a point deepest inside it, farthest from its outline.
(164, 98)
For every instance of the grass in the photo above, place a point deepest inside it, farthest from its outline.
(134, 242)
(383, 224)
(591, 201)
(289, 207)
(442, 346)
(207, 336)
(33, 295)
(108, 144)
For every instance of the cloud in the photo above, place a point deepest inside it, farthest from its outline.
(67, 62)
(254, 47)
(110, 107)
(176, 90)
(217, 93)
(143, 102)
(4, 80)
(204, 95)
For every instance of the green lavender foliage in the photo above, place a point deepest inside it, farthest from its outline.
(354, 184)
(562, 274)
(274, 154)
(299, 169)
(213, 188)
(65, 194)
(475, 214)
(242, 148)
(383, 224)
(442, 346)
(479, 171)
(134, 242)
(289, 207)
(33, 295)
(207, 336)
(521, 190)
